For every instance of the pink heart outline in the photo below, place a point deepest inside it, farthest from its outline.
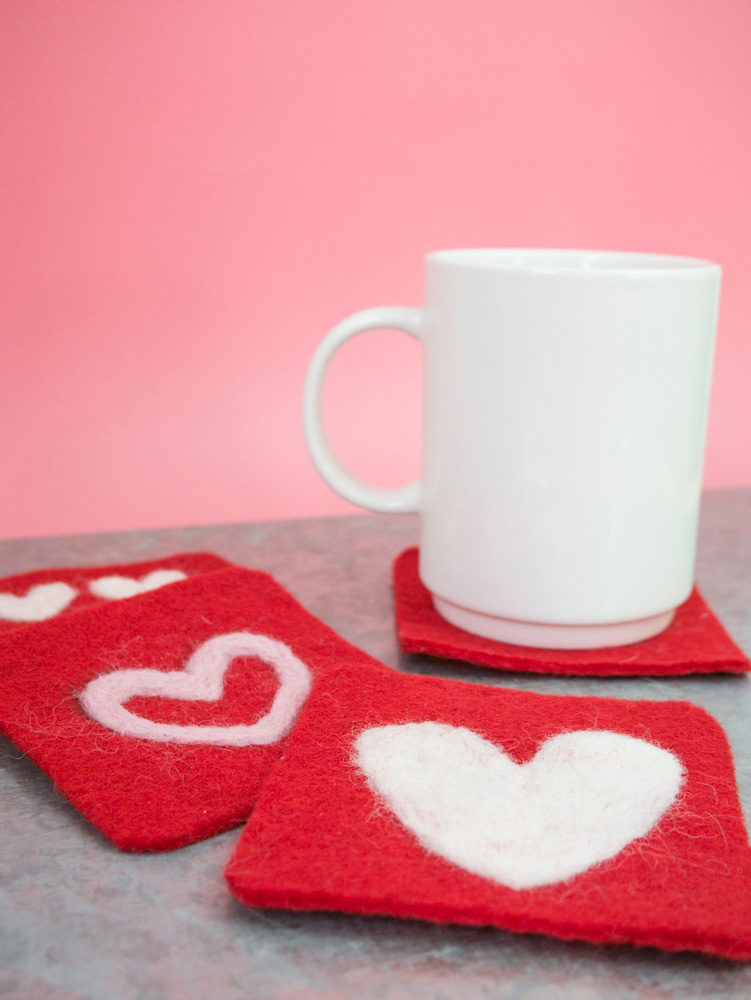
(202, 679)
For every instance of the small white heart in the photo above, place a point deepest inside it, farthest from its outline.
(43, 601)
(579, 801)
(202, 679)
(114, 588)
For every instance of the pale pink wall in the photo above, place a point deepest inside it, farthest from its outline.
(195, 191)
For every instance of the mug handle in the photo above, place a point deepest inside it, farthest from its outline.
(386, 501)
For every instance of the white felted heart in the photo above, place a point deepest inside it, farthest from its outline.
(114, 588)
(43, 601)
(202, 679)
(579, 801)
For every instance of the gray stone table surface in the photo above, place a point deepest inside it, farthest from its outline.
(78, 919)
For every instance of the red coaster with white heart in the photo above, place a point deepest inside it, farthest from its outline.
(160, 717)
(46, 593)
(695, 641)
(583, 818)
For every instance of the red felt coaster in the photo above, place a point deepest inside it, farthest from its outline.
(143, 788)
(695, 642)
(322, 837)
(46, 593)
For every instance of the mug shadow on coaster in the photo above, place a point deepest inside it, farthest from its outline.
(564, 419)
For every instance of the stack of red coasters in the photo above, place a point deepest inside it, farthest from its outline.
(164, 697)
(583, 818)
(695, 641)
(159, 717)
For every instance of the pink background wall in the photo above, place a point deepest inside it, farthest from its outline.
(195, 191)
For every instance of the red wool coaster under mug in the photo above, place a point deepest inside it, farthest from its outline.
(695, 641)
(160, 717)
(46, 593)
(583, 818)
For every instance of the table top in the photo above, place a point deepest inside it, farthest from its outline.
(78, 919)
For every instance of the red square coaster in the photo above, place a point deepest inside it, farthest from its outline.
(46, 593)
(695, 642)
(583, 818)
(159, 717)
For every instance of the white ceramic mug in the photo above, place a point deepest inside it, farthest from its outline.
(566, 398)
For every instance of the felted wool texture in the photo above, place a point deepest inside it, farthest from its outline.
(321, 837)
(582, 798)
(144, 794)
(116, 587)
(695, 641)
(45, 593)
(202, 679)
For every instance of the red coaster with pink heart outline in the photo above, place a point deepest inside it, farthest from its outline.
(578, 817)
(695, 642)
(46, 593)
(159, 717)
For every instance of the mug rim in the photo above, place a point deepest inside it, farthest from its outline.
(569, 261)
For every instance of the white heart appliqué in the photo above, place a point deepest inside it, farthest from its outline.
(41, 602)
(579, 801)
(202, 679)
(115, 588)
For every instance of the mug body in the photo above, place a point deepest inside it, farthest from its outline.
(566, 398)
